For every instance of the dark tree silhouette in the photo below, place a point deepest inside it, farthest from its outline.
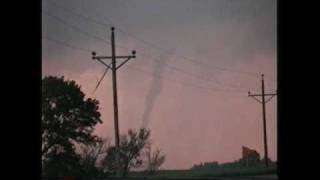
(155, 161)
(67, 119)
(131, 146)
(90, 154)
(61, 163)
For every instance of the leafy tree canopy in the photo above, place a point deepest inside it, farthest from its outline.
(67, 117)
(131, 146)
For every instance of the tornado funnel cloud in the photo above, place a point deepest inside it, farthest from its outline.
(156, 87)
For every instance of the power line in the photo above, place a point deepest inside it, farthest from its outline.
(148, 43)
(80, 15)
(87, 18)
(87, 50)
(143, 54)
(100, 39)
(182, 82)
(143, 71)
(66, 44)
(86, 33)
(188, 73)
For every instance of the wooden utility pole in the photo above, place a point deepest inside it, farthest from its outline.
(263, 102)
(114, 69)
(148, 147)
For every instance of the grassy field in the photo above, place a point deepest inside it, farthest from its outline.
(214, 172)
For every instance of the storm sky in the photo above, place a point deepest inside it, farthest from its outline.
(196, 61)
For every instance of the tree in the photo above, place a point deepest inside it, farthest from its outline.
(67, 119)
(155, 161)
(61, 163)
(109, 162)
(90, 156)
(131, 146)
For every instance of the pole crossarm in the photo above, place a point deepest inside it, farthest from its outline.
(97, 58)
(117, 57)
(123, 62)
(270, 98)
(255, 98)
(262, 95)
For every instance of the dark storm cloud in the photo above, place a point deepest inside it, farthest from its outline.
(139, 16)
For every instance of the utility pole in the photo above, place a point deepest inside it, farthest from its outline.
(114, 69)
(148, 147)
(263, 102)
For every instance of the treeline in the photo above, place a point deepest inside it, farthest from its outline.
(69, 147)
(205, 165)
(235, 164)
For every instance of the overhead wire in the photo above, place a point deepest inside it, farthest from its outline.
(146, 42)
(88, 34)
(144, 71)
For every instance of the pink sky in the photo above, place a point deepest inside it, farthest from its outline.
(189, 124)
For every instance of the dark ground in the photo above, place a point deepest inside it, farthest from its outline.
(266, 177)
